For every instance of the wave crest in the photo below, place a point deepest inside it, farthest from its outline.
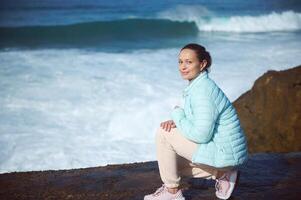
(208, 21)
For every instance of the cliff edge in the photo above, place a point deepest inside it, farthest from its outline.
(270, 113)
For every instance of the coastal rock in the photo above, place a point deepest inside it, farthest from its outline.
(265, 176)
(270, 113)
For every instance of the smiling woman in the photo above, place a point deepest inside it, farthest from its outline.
(203, 139)
(192, 60)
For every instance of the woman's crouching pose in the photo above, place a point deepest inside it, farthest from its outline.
(204, 138)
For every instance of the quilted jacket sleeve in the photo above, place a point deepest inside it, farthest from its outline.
(200, 128)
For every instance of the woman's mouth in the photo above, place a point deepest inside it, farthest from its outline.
(184, 73)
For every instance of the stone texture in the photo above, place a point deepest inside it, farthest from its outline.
(270, 113)
(265, 176)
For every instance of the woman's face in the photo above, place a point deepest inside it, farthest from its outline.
(189, 64)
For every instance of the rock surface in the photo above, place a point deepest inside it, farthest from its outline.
(265, 176)
(270, 113)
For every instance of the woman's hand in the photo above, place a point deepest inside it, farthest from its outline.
(168, 125)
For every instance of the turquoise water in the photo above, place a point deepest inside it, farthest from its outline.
(128, 25)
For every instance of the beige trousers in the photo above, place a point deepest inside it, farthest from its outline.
(174, 155)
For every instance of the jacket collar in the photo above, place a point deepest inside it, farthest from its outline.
(202, 75)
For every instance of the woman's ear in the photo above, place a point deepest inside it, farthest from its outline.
(203, 64)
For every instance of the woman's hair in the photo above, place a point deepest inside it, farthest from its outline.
(201, 52)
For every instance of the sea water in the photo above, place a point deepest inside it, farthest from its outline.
(87, 83)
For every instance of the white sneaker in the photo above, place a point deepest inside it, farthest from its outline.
(163, 194)
(225, 185)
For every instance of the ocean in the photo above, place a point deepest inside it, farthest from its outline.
(87, 83)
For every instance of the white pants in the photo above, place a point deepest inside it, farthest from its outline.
(174, 154)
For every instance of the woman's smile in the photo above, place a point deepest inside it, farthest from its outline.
(184, 72)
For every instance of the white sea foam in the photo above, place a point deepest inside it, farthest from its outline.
(62, 109)
(209, 21)
(71, 108)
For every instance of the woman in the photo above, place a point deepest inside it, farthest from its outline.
(203, 139)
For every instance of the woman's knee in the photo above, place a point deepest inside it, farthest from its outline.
(160, 135)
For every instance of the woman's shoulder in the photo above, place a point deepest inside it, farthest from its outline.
(208, 89)
(205, 87)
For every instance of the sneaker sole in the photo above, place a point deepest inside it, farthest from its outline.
(181, 198)
(233, 187)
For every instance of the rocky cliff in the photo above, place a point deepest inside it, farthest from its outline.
(270, 112)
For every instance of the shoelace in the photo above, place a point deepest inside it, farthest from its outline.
(159, 190)
(218, 186)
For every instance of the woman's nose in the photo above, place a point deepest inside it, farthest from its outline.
(183, 66)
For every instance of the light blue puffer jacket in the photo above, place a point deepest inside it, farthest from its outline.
(209, 119)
